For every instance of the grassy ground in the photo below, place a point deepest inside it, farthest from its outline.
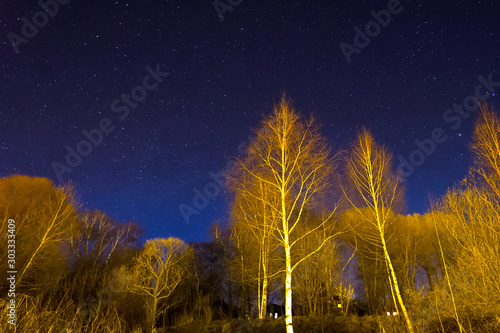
(338, 324)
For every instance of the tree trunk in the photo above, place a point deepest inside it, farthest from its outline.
(367, 289)
(243, 291)
(243, 301)
(396, 287)
(288, 288)
(259, 300)
(153, 315)
(230, 292)
(264, 297)
(286, 244)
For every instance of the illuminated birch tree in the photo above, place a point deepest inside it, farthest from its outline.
(245, 260)
(293, 161)
(378, 190)
(256, 223)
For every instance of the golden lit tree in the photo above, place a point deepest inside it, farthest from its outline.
(467, 221)
(256, 223)
(408, 246)
(469, 226)
(378, 190)
(245, 262)
(486, 149)
(45, 218)
(313, 285)
(158, 270)
(293, 160)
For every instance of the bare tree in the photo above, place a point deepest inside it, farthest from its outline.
(45, 217)
(158, 270)
(293, 159)
(254, 225)
(376, 187)
(245, 263)
(100, 236)
(486, 150)
(468, 222)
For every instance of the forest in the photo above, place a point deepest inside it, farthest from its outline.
(318, 240)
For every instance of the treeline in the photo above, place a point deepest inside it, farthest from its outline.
(313, 233)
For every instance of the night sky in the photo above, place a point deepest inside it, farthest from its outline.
(89, 59)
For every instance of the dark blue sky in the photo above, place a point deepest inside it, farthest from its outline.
(223, 76)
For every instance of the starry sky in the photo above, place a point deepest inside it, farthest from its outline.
(176, 87)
